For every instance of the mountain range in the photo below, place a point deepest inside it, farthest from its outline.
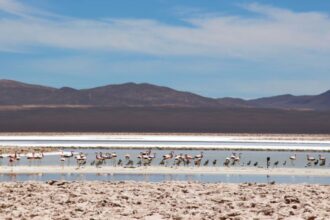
(146, 95)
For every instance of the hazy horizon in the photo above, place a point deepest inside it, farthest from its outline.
(64, 86)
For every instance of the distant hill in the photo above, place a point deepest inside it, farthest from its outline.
(146, 95)
(128, 94)
(316, 102)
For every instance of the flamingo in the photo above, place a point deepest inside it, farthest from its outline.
(227, 161)
(238, 158)
(40, 156)
(13, 157)
(199, 156)
(129, 163)
(148, 162)
(67, 154)
(35, 155)
(107, 156)
(152, 156)
(177, 162)
(146, 153)
(187, 158)
(198, 162)
(233, 156)
(168, 156)
(147, 158)
(309, 158)
(100, 156)
(322, 157)
(11, 160)
(81, 156)
(17, 156)
(293, 157)
(178, 157)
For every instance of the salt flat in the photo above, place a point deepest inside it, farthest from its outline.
(172, 141)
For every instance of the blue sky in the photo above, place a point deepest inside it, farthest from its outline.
(214, 48)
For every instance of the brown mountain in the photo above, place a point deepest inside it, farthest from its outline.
(146, 95)
(128, 94)
(143, 107)
(316, 102)
(17, 93)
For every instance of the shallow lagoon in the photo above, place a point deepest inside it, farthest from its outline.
(220, 155)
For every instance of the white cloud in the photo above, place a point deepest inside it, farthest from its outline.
(16, 8)
(13, 7)
(277, 31)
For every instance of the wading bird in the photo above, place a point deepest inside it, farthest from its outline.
(199, 156)
(309, 158)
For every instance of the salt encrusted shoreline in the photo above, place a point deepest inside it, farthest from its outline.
(167, 200)
(165, 170)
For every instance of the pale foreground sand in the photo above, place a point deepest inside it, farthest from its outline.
(165, 170)
(168, 200)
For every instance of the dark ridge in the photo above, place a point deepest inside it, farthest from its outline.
(146, 95)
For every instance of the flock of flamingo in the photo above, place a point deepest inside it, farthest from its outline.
(145, 159)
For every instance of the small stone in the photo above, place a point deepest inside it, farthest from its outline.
(291, 199)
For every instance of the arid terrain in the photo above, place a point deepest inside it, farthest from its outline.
(167, 200)
(165, 119)
(132, 107)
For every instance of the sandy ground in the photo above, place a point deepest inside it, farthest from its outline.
(165, 170)
(167, 200)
